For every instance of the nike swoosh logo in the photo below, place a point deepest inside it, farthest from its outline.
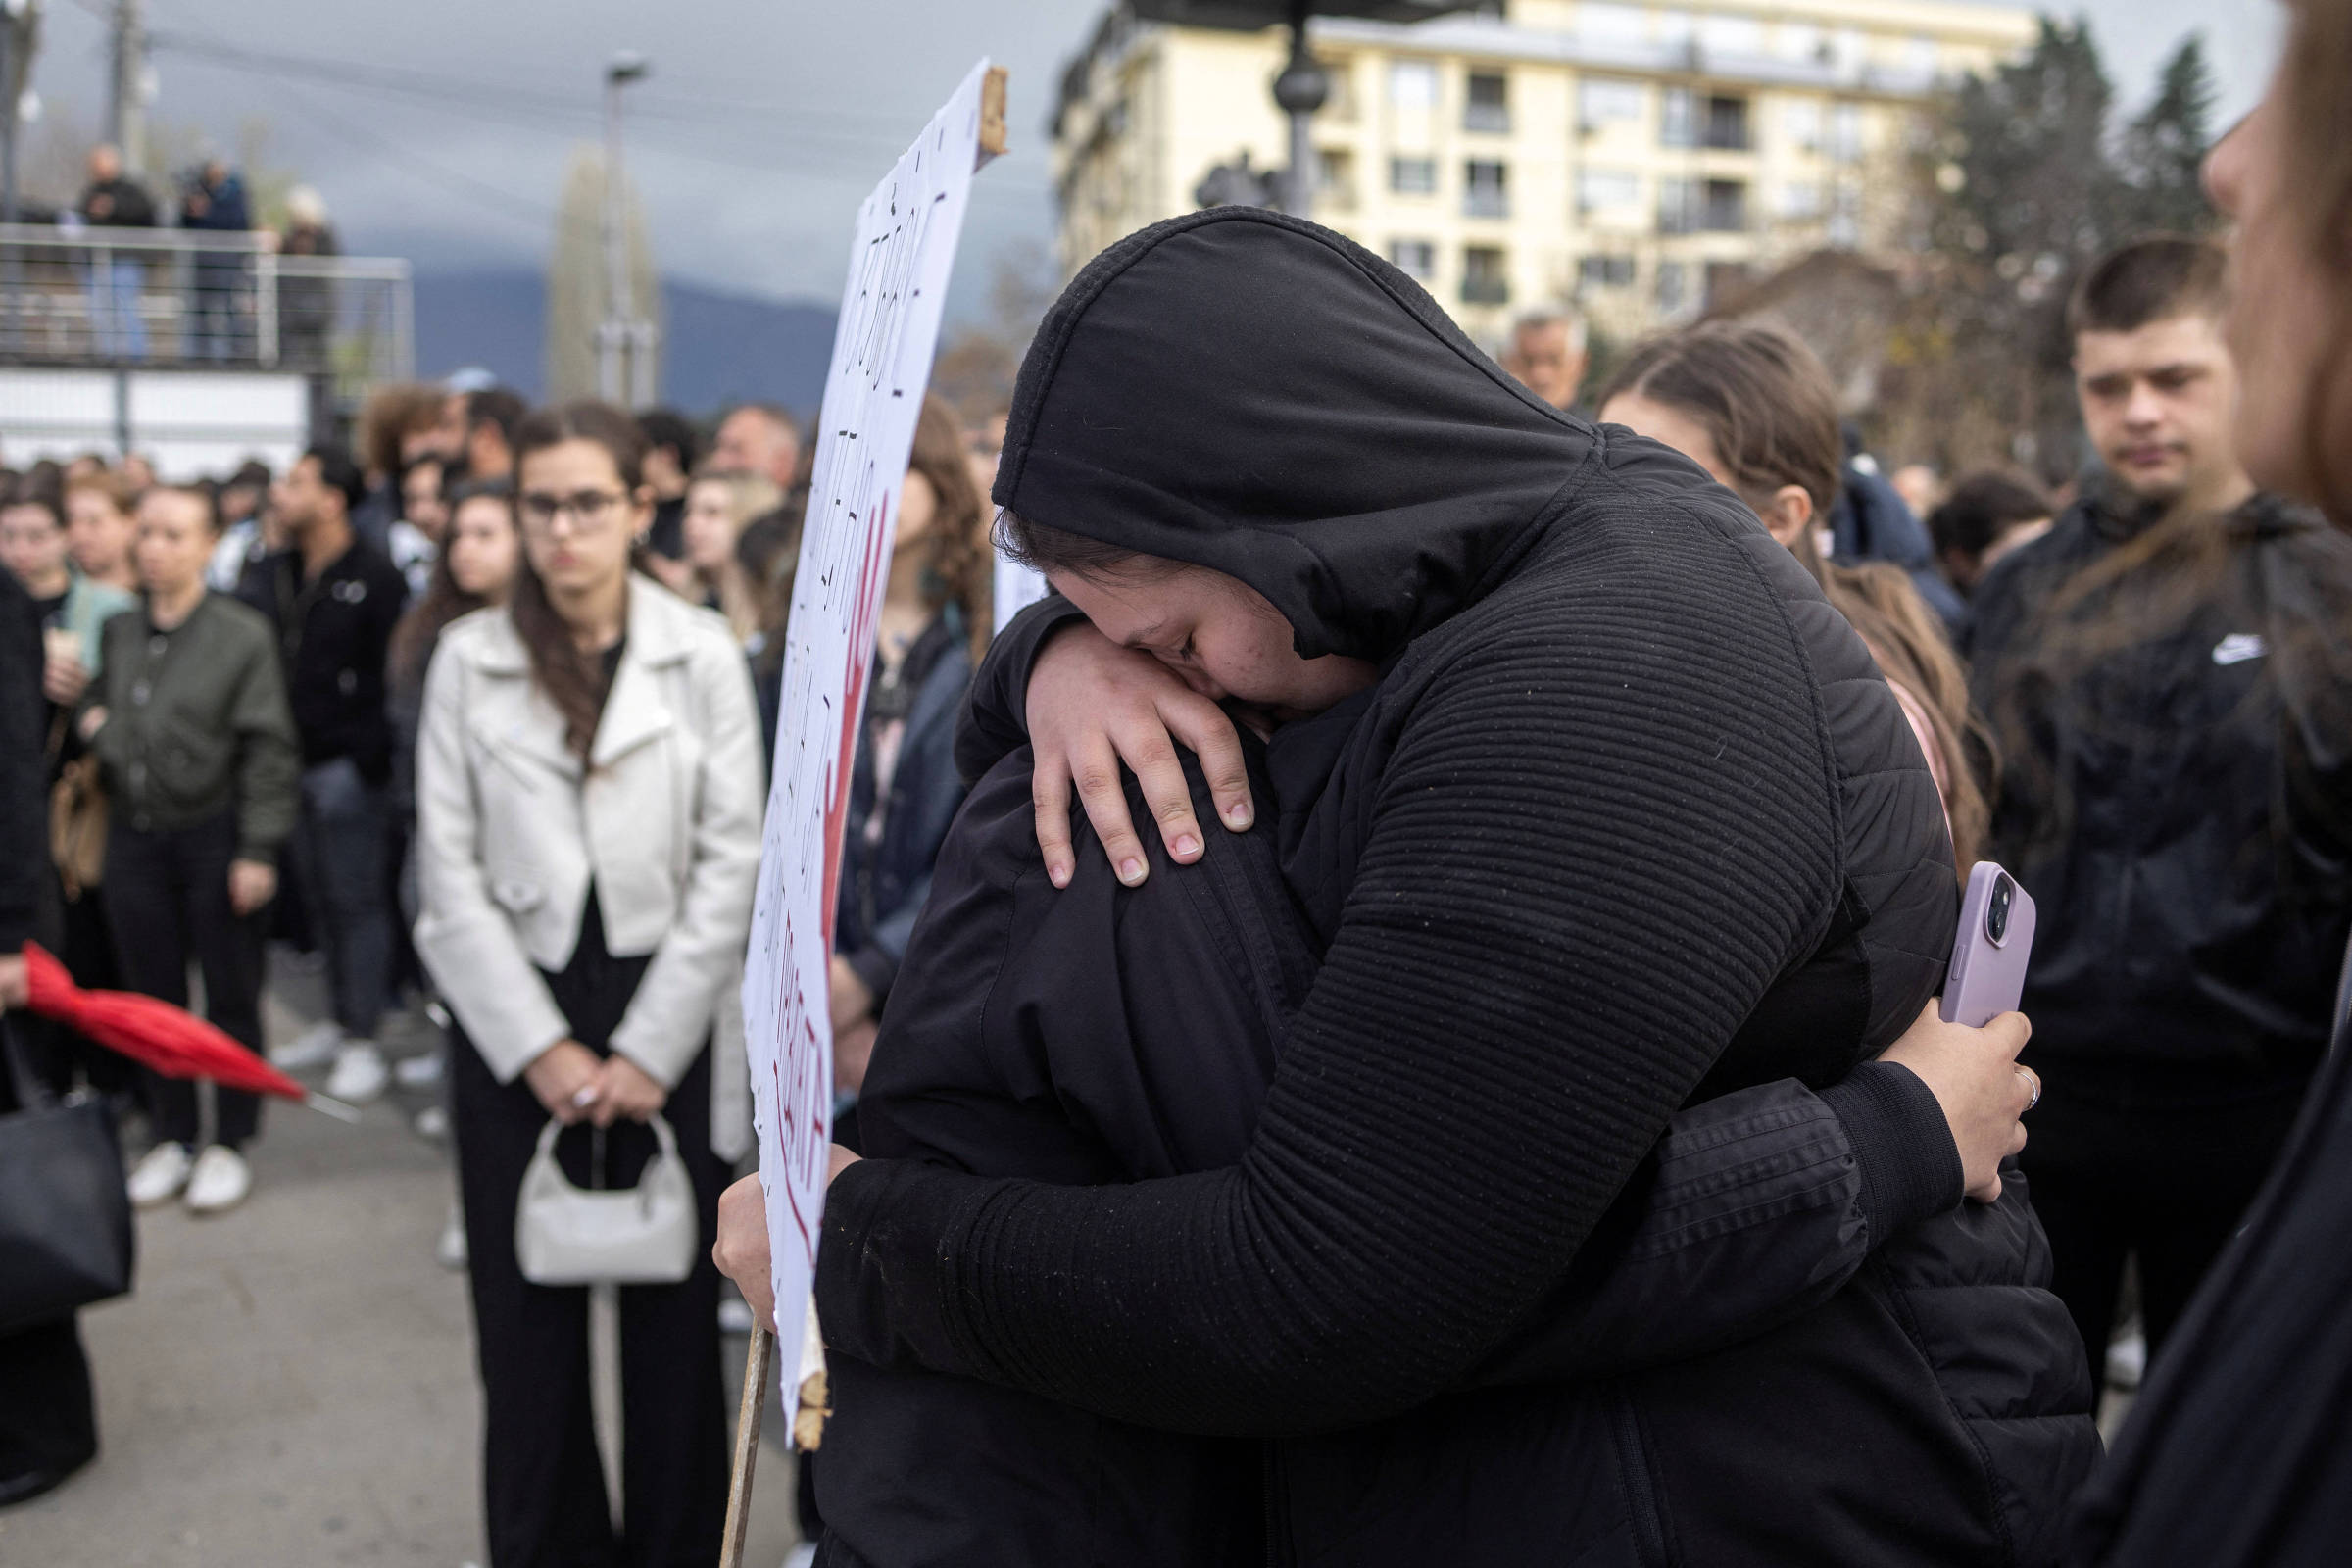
(2238, 647)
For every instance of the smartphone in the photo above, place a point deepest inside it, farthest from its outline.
(1987, 975)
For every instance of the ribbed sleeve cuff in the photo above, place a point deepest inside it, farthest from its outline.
(1903, 1148)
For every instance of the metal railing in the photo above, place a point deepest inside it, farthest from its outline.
(186, 298)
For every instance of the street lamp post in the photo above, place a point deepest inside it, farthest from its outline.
(1300, 90)
(624, 350)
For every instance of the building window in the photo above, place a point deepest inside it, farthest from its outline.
(1486, 192)
(1488, 105)
(1413, 176)
(1484, 279)
(1849, 51)
(1678, 119)
(1415, 258)
(1672, 286)
(1846, 133)
(1339, 105)
(1602, 101)
(1335, 177)
(1919, 55)
(1678, 205)
(1724, 207)
(1605, 271)
(1675, 27)
(1413, 85)
(1607, 190)
(1801, 201)
(1726, 125)
(1801, 124)
(1846, 218)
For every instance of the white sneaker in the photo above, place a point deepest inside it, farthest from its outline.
(2128, 1361)
(158, 1177)
(220, 1181)
(449, 1250)
(432, 1124)
(359, 1074)
(314, 1047)
(423, 1071)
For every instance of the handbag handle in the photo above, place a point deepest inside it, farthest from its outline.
(663, 1135)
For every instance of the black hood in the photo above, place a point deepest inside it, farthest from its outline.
(1256, 394)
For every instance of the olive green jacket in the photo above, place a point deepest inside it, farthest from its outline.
(197, 723)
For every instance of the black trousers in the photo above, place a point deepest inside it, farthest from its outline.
(48, 1411)
(167, 897)
(2152, 1173)
(544, 1503)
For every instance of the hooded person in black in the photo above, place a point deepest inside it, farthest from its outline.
(1629, 818)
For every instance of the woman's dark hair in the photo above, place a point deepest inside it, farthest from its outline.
(1981, 507)
(1767, 405)
(574, 681)
(2154, 278)
(28, 490)
(444, 601)
(667, 427)
(961, 569)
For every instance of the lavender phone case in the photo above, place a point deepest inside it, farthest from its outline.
(1987, 978)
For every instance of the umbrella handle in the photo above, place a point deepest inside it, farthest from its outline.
(332, 1107)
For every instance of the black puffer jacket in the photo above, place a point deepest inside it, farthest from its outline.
(2180, 801)
(1631, 812)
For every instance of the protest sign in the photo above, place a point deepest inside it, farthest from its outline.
(883, 344)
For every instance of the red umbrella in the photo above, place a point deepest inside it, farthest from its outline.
(148, 1029)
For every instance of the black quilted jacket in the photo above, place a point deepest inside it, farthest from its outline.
(1630, 818)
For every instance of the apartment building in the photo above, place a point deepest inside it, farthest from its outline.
(1635, 158)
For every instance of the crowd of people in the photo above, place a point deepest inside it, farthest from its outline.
(1524, 1132)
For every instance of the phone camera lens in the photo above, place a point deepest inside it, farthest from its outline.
(1996, 909)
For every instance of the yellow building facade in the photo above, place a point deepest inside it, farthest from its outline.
(1631, 157)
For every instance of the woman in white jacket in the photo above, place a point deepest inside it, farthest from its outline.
(588, 834)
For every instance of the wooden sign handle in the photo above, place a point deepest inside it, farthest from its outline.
(759, 1366)
(992, 117)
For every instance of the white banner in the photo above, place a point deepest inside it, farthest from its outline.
(883, 344)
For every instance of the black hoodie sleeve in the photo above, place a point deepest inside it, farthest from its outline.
(1605, 782)
(993, 723)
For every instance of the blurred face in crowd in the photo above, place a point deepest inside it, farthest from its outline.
(304, 500)
(710, 526)
(420, 500)
(753, 441)
(2158, 403)
(1919, 487)
(578, 518)
(239, 502)
(2283, 321)
(98, 532)
(446, 439)
(137, 472)
(1545, 357)
(919, 511)
(1784, 513)
(33, 547)
(482, 547)
(175, 541)
(1220, 636)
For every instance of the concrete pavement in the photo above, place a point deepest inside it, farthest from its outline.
(293, 1384)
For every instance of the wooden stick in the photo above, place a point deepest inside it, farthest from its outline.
(758, 1365)
(992, 117)
(812, 1386)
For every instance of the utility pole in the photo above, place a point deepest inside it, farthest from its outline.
(19, 34)
(624, 352)
(126, 87)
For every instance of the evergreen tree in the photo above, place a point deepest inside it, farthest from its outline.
(2164, 148)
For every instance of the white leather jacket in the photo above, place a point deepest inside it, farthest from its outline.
(665, 819)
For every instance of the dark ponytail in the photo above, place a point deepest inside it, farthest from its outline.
(574, 681)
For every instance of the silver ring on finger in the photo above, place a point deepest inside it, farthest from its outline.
(2035, 1079)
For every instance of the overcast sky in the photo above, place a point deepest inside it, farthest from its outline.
(762, 125)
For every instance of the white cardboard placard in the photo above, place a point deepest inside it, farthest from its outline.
(883, 345)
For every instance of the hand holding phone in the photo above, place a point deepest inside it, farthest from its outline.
(1987, 973)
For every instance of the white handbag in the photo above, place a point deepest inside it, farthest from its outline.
(641, 1234)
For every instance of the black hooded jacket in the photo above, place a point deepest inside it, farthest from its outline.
(2180, 806)
(1631, 817)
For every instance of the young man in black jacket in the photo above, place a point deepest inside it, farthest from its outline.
(2167, 673)
(334, 599)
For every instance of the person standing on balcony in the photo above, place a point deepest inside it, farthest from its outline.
(334, 599)
(111, 201)
(306, 302)
(213, 204)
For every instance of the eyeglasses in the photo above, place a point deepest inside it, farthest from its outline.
(588, 508)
